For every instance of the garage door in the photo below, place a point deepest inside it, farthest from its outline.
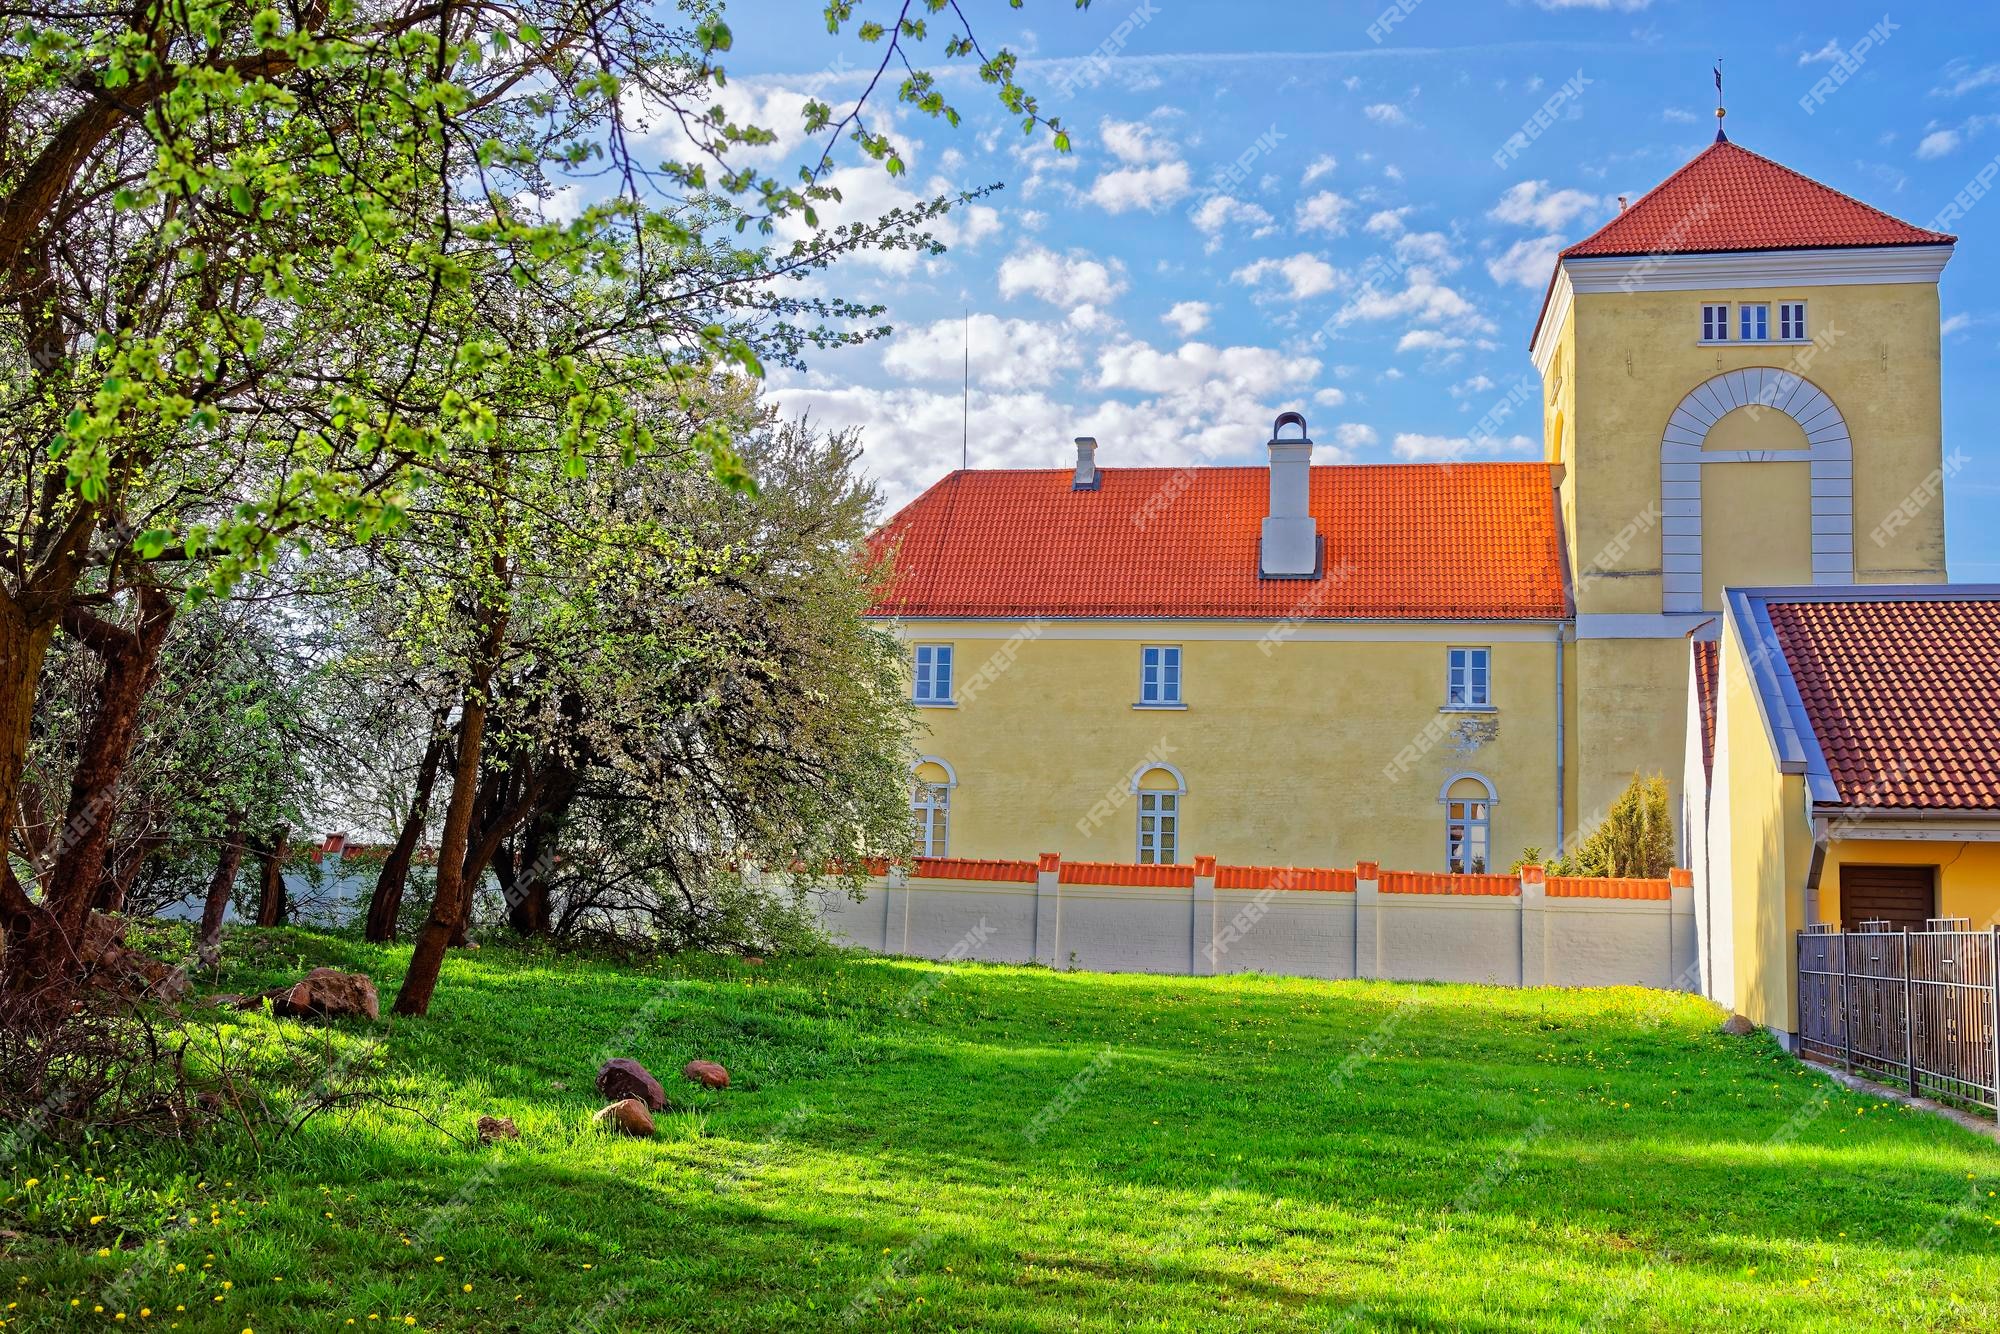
(1904, 896)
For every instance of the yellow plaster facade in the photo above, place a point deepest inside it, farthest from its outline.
(1314, 746)
(1331, 746)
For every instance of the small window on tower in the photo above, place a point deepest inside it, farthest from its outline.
(1756, 323)
(1792, 321)
(1715, 324)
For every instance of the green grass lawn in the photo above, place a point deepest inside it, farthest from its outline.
(908, 1145)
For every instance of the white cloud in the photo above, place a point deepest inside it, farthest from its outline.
(868, 192)
(1148, 188)
(1188, 317)
(1677, 116)
(1938, 143)
(1432, 249)
(1428, 340)
(1218, 211)
(1330, 397)
(1533, 204)
(1324, 212)
(1303, 275)
(1526, 262)
(1963, 78)
(1478, 384)
(1385, 113)
(1323, 165)
(1069, 281)
(1953, 324)
(1828, 53)
(1135, 144)
(1386, 222)
(1354, 435)
(1006, 354)
(1423, 299)
(1201, 368)
(1415, 448)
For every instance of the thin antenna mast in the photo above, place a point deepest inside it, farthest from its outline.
(965, 400)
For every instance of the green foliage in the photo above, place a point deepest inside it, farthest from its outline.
(1371, 1155)
(1635, 838)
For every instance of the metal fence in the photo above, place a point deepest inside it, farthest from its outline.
(1911, 1008)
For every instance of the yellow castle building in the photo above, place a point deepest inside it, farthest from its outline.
(1437, 666)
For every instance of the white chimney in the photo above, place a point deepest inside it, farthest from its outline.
(1290, 549)
(1087, 476)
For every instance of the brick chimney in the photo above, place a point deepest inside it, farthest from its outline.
(1087, 476)
(1290, 547)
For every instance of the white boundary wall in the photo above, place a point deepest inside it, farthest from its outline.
(1525, 938)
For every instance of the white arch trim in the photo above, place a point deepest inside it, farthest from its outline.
(1444, 793)
(1180, 783)
(950, 774)
(1829, 452)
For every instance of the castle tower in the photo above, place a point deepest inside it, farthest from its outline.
(1741, 385)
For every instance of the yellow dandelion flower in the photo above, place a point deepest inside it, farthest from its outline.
(103, 1251)
(465, 1287)
(33, 1182)
(95, 1219)
(227, 1285)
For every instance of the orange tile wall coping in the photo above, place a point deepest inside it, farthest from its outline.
(1322, 879)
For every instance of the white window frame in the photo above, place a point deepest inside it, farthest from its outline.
(930, 808)
(1715, 322)
(1468, 835)
(1160, 677)
(1760, 332)
(1468, 824)
(1792, 322)
(1474, 664)
(923, 675)
(1159, 827)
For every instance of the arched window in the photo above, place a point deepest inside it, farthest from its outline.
(1159, 790)
(1468, 822)
(931, 782)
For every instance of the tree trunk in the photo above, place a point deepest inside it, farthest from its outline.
(492, 792)
(50, 931)
(447, 903)
(387, 901)
(209, 949)
(271, 909)
(528, 892)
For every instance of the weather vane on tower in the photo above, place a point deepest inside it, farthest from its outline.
(1721, 137)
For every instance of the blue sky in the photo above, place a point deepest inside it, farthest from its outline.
(1202, 259)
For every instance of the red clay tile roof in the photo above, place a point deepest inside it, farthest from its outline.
(1729, 198)
(1706, 660)
(1448, 540)
(1903, 695)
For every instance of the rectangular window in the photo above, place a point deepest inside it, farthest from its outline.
(1160, 674)
(1792, 320)
(933, 684)
(1467, 828)
(1756, 323)
(1468, 683)
(1159, 828)
(930, 806)
(1715, 324)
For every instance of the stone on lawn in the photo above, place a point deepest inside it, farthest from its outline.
(629, 1115)
(497, 1127)
(1738, 1026)
(326, 993)
(707, 1074)
(622, 1077)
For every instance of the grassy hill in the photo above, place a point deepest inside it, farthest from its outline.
(907, 1145)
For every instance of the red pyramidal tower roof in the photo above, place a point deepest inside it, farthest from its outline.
(1729, 198)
